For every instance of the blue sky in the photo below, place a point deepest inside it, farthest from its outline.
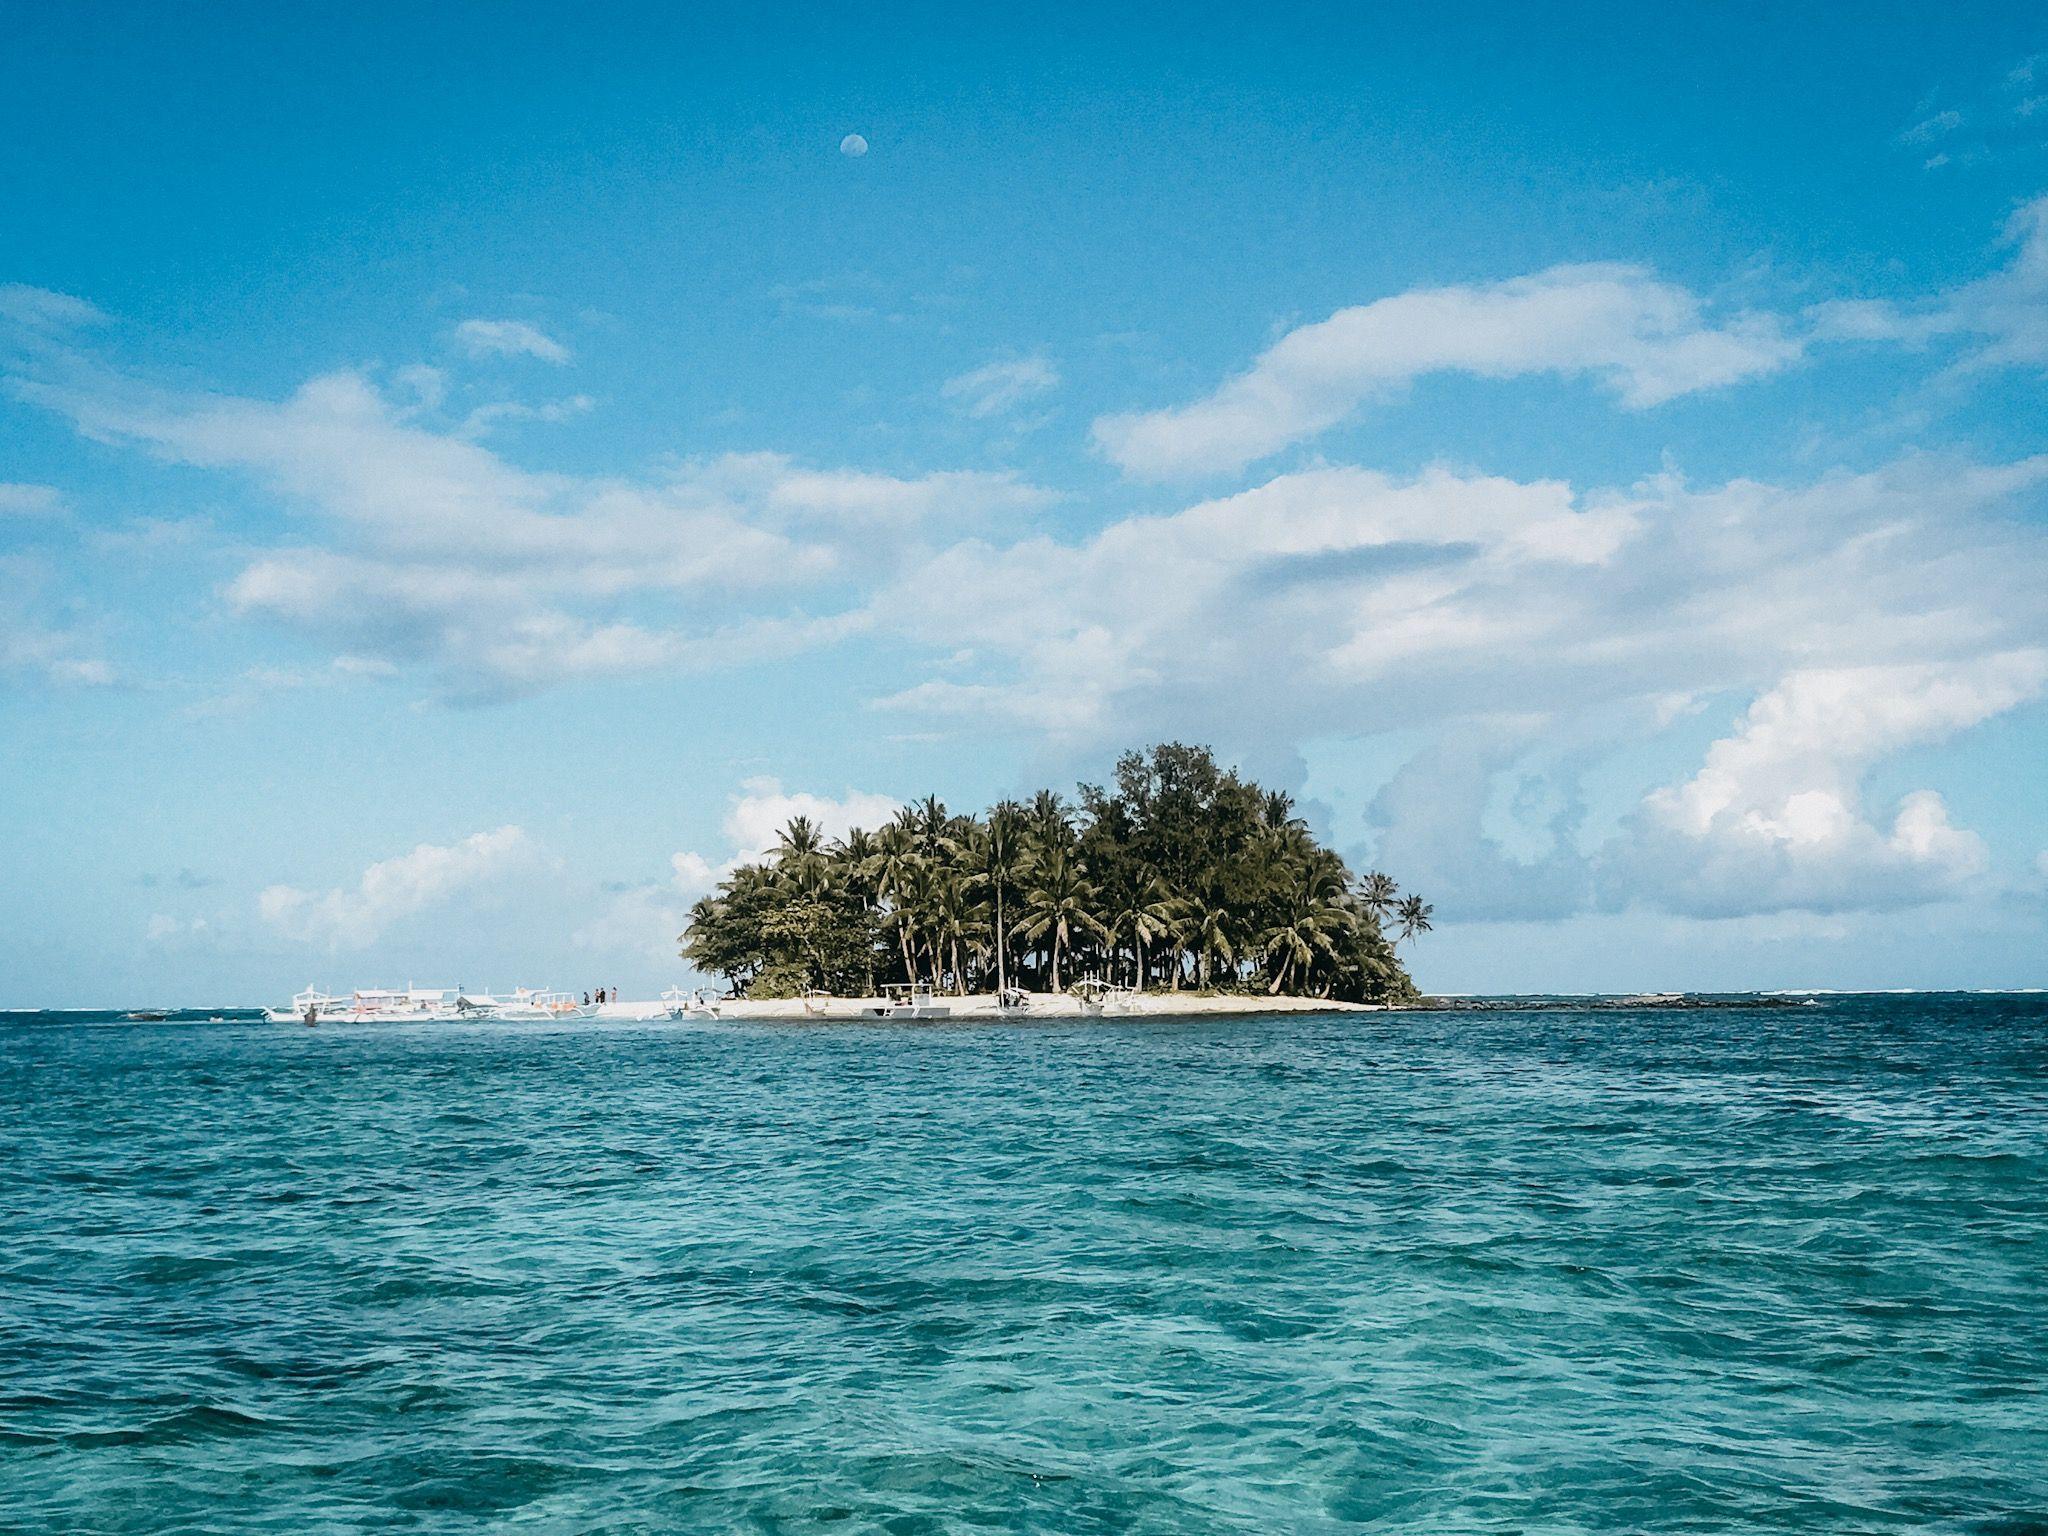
(465, 477)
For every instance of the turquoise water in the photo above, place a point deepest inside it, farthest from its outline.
(1554, 1270)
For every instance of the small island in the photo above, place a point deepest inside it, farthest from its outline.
(1179, 883)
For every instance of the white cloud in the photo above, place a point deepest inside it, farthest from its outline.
(394, 889)
(645, 920)
(164, 931)
(52, 656)
(1930, 128)
(1647, 341)
(1431, 817)
(1344, 601)
(363, 666)
(435, 551)
(485, 417)
(509, 338)
(1002, 386)
(1338, 602)
(755, 817)
(38, 501)
(1774, 818)
(43, 310)
(2002, 319)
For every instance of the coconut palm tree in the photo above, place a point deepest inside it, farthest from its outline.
(994, 850)
(800, 855)
(1211, 930)
(1377, 893)
(1059, 905)
(1316, 923)
(952, 923)
(1149, 914)
(896, 865)
(1414, 914)
(932, 826)
(854, 861)
(1051, 823)
(1278, 810)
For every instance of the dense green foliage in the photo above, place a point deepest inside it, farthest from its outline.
(1178, 874)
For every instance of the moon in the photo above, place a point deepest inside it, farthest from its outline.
(853, 146)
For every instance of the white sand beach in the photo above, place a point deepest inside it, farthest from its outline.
(985, 1005)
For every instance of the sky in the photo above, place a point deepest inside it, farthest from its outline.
(468, 474)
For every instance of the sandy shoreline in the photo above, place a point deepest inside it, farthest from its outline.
(983, 1005)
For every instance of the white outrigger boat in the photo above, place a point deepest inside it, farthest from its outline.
(422, 1005)
(527, 1003)
(1098, 996)
(383, 1004)
(911, 1000)
(678, 1004)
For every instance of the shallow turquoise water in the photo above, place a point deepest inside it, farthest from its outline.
(1781, 1269)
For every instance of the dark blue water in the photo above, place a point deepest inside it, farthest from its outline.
(1605, 1270)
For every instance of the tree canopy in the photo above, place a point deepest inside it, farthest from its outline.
(1178, 873)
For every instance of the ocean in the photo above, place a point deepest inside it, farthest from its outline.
(1540, 1268)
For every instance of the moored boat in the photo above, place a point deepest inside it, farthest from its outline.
(528, 1003)
(386, 1005)
(911, 1000)
(679, 1004)
(1098, 996)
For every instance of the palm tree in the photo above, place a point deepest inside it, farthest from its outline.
(800, 855)
(1414, 914)
(1377, 894)
(855, 859)
(1058, 905)
(1149, 914)
(996, 855)
(1278, 809)
(1316, 922)
(1050, 821)
(855, 856)
(1211, 928)
(896, 864)
(932, 826)
(952, 923)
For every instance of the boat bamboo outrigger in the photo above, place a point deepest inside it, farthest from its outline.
(679, 1004)
(438, 1005)
(912, 1000)
(1098, 996)
(540, 1003)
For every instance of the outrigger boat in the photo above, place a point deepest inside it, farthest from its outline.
(678, 1004)
(437, 1005)
(528, 1003)
(412, 1004)
(910, 1000)
(1098, 996)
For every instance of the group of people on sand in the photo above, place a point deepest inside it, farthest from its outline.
(604, 995)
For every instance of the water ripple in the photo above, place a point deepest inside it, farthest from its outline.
(1766, 1270)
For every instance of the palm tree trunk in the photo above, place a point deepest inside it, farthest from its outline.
(1055, 959)
(1002, 960)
